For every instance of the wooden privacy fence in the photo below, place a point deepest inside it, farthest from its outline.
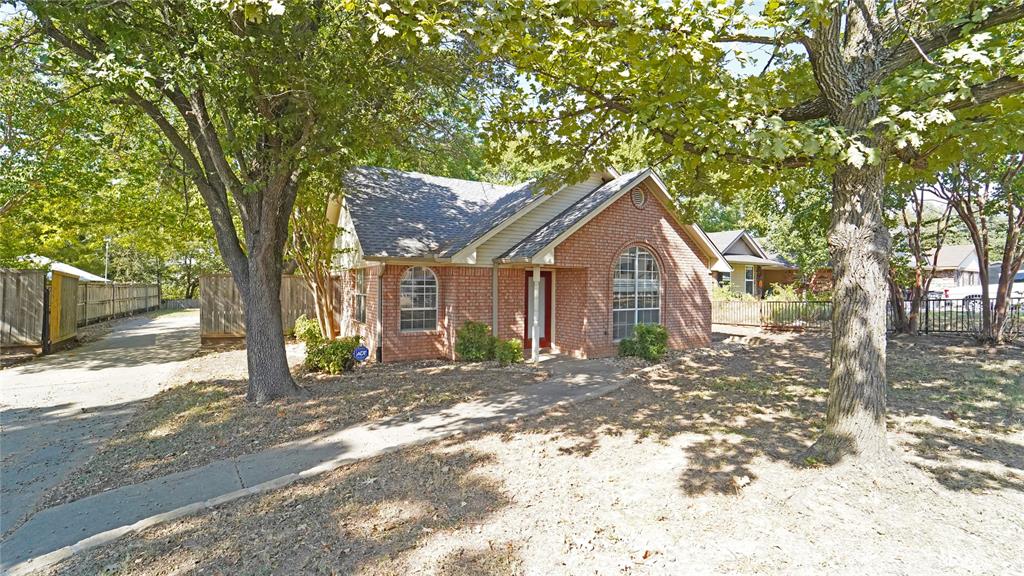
(22, 297)
(220, 305)
(36, 312)
(101, 300)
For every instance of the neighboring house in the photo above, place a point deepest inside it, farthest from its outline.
(43, 262)
(752, 269)
(957, 265)
(580, 267)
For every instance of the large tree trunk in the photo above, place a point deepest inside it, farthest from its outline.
(859, 246)
(269, 376)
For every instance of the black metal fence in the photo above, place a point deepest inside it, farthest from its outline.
(935, 316)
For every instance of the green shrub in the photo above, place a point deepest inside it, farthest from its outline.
(649, 341)
(332, 356)
(725, 293)
(307, 330)
(474, 342)
(784, 293)
(508, 351)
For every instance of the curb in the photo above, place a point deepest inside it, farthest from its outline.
(108, 536)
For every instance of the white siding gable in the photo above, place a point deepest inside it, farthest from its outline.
(535, 218)
(348, 252)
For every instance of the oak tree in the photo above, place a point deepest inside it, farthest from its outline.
(850, 87)
(253, 96)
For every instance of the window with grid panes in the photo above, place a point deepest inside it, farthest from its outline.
(636, 297)
(359, 298)
(418, 299)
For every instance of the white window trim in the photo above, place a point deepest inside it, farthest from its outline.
(636, 298)
(725, 279)
(749, 284)
(356, 294)
(437, 292)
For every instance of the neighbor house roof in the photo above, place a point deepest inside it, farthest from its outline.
(407, 214)
(953, 256)
(772, 255)
(725, 239)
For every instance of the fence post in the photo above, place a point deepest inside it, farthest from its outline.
(927, 310)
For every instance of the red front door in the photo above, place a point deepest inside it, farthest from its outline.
(545, 309)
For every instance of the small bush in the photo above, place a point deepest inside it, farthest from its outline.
(307, 330)
(332, 356)
(649, 341)
(474, 342)
(508, 351)
(784, 293)
(725, 293)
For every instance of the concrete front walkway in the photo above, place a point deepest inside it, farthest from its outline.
(54, 534)
(55, 410)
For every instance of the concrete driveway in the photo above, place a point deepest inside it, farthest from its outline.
(56, 410)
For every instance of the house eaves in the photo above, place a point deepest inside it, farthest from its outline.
(538, 247)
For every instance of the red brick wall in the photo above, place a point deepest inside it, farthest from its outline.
(511, 298)
(584, 315)
(344, 289)
(463, 293)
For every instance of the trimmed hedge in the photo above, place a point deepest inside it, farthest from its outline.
(508, 351)
(649, 341)
(332, 357)
(474, 342)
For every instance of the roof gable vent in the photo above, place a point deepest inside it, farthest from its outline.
(639, 197)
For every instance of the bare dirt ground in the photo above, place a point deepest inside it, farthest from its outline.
(204, 417)
(692, 470)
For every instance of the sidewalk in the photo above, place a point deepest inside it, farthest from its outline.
(55, 410)
(57, 532)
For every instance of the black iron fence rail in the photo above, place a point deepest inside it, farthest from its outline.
(935, 316)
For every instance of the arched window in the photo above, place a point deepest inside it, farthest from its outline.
(418, 299)
(636, 297)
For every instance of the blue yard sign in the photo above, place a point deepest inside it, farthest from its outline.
(361, 353)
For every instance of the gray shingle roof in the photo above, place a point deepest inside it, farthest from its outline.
(406, 214)
(546, 234)
(722, 240)
(952, 255)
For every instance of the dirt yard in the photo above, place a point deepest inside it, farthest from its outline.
(204, 417)
(693, 469)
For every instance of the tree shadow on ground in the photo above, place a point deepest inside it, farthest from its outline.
(363, 518)
(729, 404)
(765, 398)
(193, 424)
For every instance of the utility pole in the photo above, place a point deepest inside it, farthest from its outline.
(106, 258)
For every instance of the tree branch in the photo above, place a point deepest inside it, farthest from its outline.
(910, 51)
(988, 92)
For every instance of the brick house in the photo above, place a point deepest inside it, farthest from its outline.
(577, 268)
